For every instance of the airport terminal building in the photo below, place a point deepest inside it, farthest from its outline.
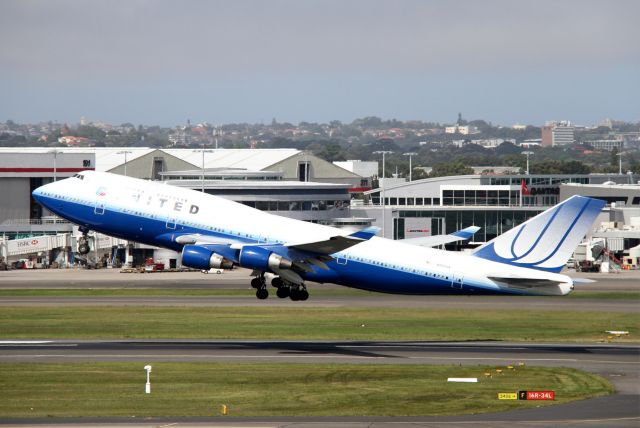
(496, 203)
(298, 185)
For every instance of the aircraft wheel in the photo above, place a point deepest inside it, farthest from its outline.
(262, 293)
(294, 294)
(283, 292)
(277, 282)
(256, 283)
(303, 295)
(83, 249)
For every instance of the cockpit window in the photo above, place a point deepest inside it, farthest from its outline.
(80, 176)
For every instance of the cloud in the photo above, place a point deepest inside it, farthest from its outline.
(251, 60)
(143, 39)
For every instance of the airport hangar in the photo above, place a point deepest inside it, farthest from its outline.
(295, 184)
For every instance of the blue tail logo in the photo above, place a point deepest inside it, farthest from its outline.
(547, 240)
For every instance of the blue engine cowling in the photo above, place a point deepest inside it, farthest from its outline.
(198, 257)
(262, 259)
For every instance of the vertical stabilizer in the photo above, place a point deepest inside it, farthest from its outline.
(547, 240)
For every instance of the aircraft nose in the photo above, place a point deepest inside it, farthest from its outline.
(40, 192)
(37, 193)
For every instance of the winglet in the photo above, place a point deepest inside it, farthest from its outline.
(366, 233)
(467, 232)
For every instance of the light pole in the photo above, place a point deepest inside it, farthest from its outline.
(527, 154)
(383, 152)
(620, 162)
(203, 150)
(410, 154)
(124, 152)
(55, 166)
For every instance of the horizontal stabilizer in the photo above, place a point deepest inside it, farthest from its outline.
(583, 281)
(554, 285)
(524, 282)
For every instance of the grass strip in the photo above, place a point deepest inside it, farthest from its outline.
(310, 323)
(249, 293)
(200, 389)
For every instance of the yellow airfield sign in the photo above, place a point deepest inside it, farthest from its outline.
(507, 396)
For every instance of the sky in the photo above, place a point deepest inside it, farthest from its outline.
(163, 62)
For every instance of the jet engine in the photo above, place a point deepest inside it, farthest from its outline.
(262, 259)
(199, 257)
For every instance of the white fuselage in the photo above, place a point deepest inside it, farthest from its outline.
(156, 213)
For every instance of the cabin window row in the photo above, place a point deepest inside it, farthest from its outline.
(297, 205)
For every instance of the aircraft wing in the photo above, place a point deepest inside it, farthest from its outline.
(332, 245)
(433, 241)
(303, 255)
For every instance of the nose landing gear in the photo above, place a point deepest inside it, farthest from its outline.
(83, 242)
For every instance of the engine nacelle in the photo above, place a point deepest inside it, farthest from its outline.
(262, 259)
(195, 256)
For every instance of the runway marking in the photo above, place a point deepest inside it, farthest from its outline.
(492, 422)
(571, 360)
(181, 356)
(35, 344)
(24, 342)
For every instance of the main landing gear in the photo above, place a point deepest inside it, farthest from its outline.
(284, 289)
(260, 285)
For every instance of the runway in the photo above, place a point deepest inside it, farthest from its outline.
(321, 295)
(618, 363)
(234, 279)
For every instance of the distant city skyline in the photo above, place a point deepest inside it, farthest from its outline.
(163, 62)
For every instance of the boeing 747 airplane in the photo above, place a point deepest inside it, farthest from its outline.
(212, 232)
